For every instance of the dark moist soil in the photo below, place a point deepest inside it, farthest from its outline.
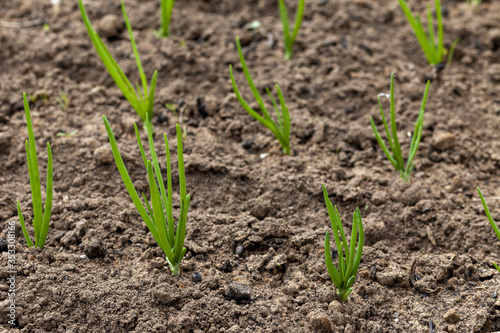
(256, 226)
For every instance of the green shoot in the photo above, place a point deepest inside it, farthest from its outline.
(475, 2)
(349, 255)
(433, 52)
(166, 15)
(492, 222)
(141, 100)
(41, 216)
(290, 36)
(281, 130)
(170, 239)
(452, 51)
(172, 107)
(63, 101)
(396, 158)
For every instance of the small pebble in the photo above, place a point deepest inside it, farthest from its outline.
(451, 316)
(238, 291)
(239, 250)
(93, 248)
(320, 323)
(443, 141)
(103, 155)
(196, 276)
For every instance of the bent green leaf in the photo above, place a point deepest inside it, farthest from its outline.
(490, 219)
(141, 100)
(434, 52)
(281, 130)
(393, 153)
(158, 215)
(349, 255)
(290, 36)
(167, 6)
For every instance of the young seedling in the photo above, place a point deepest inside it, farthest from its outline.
(475, 2)
(396, 158)
(281, 130)
(492, 222)
(349, 255)
(41, 216)
(290, 36)
(141, 100)
(166, 15)
(170, 239)
(433, 52)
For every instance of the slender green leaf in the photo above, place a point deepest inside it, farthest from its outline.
(23, 226)
(281, 130)
(348, 262)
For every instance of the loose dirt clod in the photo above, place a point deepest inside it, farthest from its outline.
(238, 291)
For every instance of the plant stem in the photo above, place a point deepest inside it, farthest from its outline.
(176, 270)
(343, 294)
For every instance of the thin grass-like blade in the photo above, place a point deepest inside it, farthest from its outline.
(151, 97)
(488, 214)
(352, 250)
(34, 173)
(180, 161)
(361, 242)
(382, 144)
(298, 22)
(440, 45)
(48, 199)
(148, 206)
(128, 182)
(398, 156)
(417, 135)
(278, 112)
(23, 226)
(136, 53)
(286, 121)
(156, 165)
(245, 105)
(141, 148)
(180, 234)
(332, 271)
(430, 30)
(170, 218)
(334, 222)
(419, 31)
(286, 24)
(156, 202)
(270, 124)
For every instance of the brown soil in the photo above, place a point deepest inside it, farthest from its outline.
(256, 224)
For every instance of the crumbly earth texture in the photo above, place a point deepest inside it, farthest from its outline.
(257, 221)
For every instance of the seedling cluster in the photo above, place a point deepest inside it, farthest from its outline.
(157, 211)
(396, 158)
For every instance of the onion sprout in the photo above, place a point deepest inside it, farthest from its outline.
(290, 36)
(170, 239)
(433, 52)
(349, 255)
(167, 7)
(281, 130)
(396, 158)
(41, 217)
(141, 101)
(492, 222)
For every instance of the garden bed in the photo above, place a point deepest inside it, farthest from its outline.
(257, 221)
